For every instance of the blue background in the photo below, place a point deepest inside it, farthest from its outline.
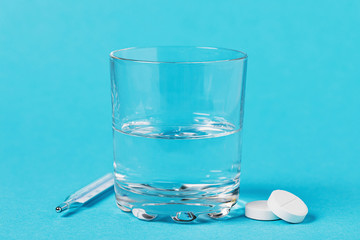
(301, 115)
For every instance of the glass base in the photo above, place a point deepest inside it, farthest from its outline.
(183, 204)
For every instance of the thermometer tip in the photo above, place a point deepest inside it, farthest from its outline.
(61, 207)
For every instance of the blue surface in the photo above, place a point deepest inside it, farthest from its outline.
(301, 115)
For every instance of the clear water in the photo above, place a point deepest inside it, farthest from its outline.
(179, 171)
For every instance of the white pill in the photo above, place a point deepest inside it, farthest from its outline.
(259, 210)
(287, 206)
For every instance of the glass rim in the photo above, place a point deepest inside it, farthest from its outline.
(244, 57)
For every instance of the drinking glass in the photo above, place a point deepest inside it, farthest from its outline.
(177, 126)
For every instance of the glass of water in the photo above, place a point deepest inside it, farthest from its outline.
(177, 125)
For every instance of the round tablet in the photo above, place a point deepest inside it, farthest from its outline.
(259, 210)
(287, 206)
